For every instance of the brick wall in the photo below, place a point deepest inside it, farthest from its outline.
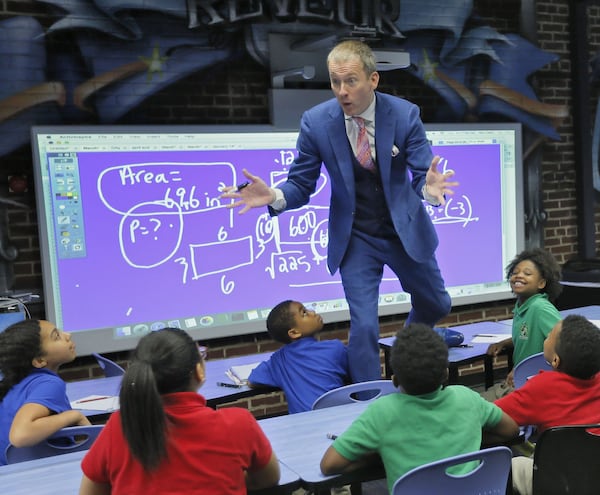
(236, 93)
(555, 86)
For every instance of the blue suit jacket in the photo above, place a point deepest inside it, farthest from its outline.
(323, 140)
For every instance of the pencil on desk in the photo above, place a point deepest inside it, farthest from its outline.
(93, 399)
(234, 378)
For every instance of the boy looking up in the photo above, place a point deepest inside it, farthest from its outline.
(304, 368)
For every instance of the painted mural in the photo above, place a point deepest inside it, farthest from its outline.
(126, 50)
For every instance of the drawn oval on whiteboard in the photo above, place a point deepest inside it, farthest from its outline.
(150, 234)
(319, 241)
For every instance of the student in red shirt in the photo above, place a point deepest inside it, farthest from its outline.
(568, 395)
(165, 439)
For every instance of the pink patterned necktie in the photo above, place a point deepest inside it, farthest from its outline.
(363, 148)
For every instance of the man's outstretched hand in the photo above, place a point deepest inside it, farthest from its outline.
(437, 183)
(253, 193)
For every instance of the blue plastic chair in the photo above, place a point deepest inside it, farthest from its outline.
(523, 371)
(347, 394)
(368, 391)
(490, 477)
(529, 367)
(109, 367)
(74, 439)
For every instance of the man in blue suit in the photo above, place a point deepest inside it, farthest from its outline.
(376, 215)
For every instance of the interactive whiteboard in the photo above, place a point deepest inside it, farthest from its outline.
(134, 235)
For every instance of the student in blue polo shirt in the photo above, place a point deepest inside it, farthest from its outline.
(304, 368)
(34, 402)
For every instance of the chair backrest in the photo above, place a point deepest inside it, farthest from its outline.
(109, 367)
(529, 367)
(566, 460)
(70, 439)
(348, 393)
(489, 477)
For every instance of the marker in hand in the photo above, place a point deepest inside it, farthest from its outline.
(242, 186)
(331, 436)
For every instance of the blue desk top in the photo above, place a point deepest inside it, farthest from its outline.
(215, 369)
(61, 475)
(214, 394)
(460, 354)
(457, 355)
(300, 440)
(58, 475)
(590, 312)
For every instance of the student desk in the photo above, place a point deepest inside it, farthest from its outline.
(300, 440)
(61, 475)
(214, 394)
(459, 356)
(215, 372)
(590, 312)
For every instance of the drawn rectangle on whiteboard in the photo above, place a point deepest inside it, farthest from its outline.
(220, 257)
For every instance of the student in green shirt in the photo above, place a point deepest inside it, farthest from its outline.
(424, 421)
(534, 277)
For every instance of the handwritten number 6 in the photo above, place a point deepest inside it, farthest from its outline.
(227, 287)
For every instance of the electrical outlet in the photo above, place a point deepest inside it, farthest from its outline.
(18, 184)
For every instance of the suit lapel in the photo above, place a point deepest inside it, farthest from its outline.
(384, 137)
(336, 129)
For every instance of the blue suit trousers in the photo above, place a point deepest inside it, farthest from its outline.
(361, 271)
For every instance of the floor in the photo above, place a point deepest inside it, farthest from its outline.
(378, 487)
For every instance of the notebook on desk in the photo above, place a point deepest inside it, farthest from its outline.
(490, 338)
(97, 403)
(239, 374)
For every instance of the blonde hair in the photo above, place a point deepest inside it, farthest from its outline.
(349, 49)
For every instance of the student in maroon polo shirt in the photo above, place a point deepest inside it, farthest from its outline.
(165, 439)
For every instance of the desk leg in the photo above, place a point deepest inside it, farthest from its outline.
(386, 363)
(355, 489)
(488, 368)
(452, 375)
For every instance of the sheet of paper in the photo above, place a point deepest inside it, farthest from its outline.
(97, 403)
(242, 372)
(490, 338)
(596, 322)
